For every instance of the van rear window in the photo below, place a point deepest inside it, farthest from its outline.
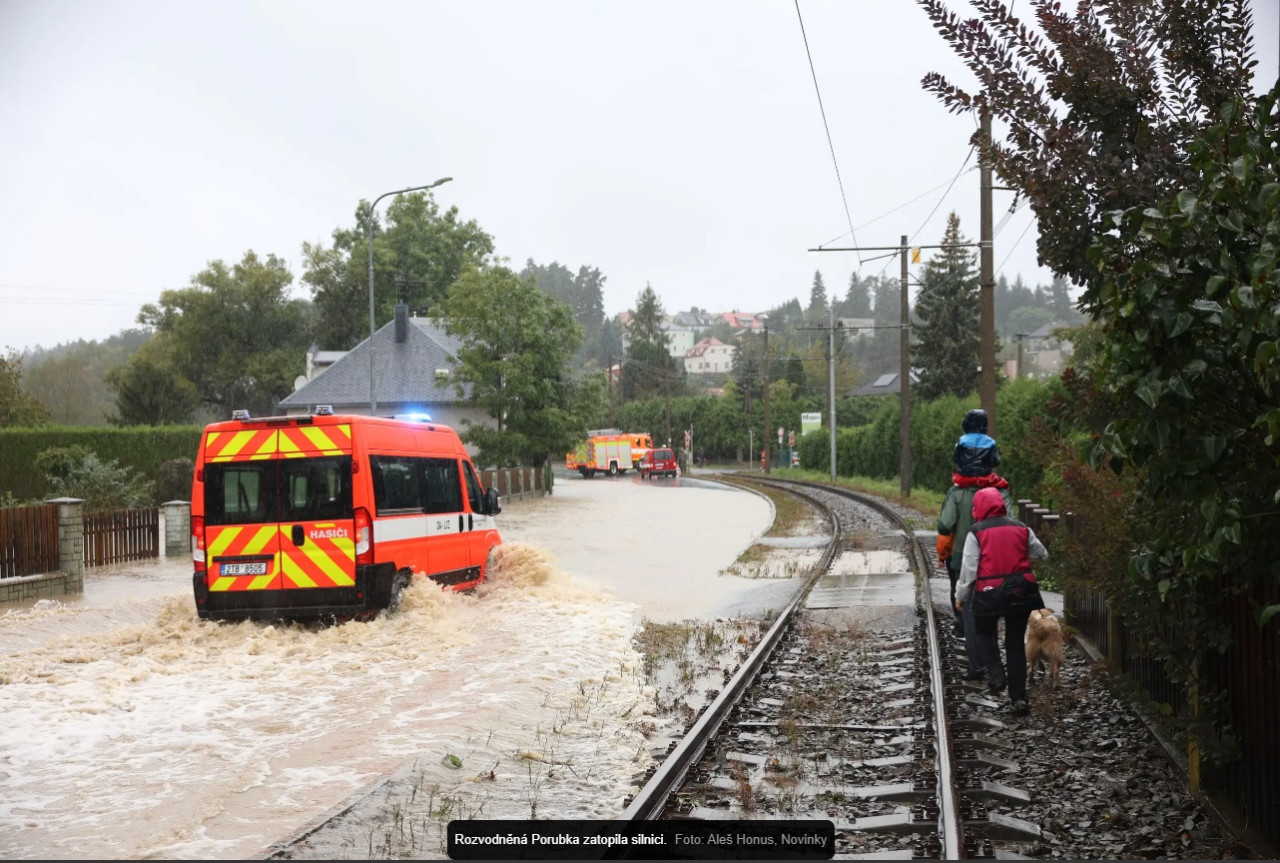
(258, 492)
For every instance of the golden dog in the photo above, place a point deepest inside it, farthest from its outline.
(1044, 643)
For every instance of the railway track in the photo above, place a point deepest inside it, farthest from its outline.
(852, 708)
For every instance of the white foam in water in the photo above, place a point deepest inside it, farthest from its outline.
(156, 734)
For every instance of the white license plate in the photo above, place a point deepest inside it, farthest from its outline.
(259, 568)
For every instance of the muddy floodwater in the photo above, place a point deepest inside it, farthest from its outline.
(133, 730)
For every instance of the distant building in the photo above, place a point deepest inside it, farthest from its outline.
(885, 385)
(709, 356)
(1044, 355)
(743, 321)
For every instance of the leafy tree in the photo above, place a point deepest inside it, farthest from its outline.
(1153, 176)
(517, 342)
(17, 406)
(70, 390)
(584, 293)
(149, 392)
(1099, 110)
(946, 336)
(71, 377)
(235, 333)
(418, 253)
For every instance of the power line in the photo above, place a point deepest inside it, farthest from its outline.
(1015, 245)
(950, 186)
(827, 127)
(894, 210)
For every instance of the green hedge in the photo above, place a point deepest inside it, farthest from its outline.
(141, 449)
(873, 450)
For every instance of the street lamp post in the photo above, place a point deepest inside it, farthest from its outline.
(373, 399)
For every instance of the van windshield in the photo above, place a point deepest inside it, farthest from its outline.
(257, 492)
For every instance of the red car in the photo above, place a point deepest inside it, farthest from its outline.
(658, 462)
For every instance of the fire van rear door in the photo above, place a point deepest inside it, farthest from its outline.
(317, 518)
(240, 502)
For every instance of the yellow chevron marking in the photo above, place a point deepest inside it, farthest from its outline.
(261, 582)
(222, 583)
(334, 568)
(224, 540)
(268, 447)
(295, 574)
(238, 441)
(320, 440)
(261, 538)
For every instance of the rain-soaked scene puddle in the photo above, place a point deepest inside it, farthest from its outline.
(132, 729)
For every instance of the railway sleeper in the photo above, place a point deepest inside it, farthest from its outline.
(995, 826)
(986, 789)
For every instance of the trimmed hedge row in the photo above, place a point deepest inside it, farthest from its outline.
(873, 450)
(141, 449)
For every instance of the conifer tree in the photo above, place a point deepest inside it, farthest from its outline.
(946, 332)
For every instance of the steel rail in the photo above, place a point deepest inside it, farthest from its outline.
(650, 801)
(950, 822)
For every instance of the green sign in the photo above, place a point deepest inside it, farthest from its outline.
(810, 422)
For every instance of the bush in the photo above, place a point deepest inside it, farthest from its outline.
(102, 485)
(139, 448)
(173, 480)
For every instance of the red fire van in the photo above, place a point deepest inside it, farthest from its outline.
(330, 516)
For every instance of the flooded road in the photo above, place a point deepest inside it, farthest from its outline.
(134, 730)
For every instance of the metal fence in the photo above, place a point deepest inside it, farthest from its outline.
(120, 536)
(28, 540)
(1248, 671)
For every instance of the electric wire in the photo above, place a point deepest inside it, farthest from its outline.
(1000, 268)
(887, 213)
(950, 186)
(825, 125)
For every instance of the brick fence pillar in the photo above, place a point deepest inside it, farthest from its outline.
(71, 542)
(177, 528)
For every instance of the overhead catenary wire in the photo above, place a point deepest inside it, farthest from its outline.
(888, 213)
(827, 126)
(1015, 245)
(950, 186)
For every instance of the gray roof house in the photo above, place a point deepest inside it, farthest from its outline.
(413, 362)
(885, 385)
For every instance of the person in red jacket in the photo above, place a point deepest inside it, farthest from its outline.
(996, 576)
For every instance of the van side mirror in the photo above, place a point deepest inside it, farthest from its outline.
(492, 505)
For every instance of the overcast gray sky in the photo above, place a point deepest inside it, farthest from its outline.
(675, 143)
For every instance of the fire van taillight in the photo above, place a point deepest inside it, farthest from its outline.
(197, 542)
(364, 537)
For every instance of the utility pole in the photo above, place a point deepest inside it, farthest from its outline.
(904, 358)
(987, 287)
(904, 380)
(831, 388)
(1020, 337)
(764, 364)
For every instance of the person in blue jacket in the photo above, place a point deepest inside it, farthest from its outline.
(976, 454)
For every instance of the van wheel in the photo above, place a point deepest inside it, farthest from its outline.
(398, 585)
(613, 468)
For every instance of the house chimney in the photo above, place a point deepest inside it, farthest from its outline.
(402, 323)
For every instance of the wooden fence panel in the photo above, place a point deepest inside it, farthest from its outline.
(28, 540)
(121, 536)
